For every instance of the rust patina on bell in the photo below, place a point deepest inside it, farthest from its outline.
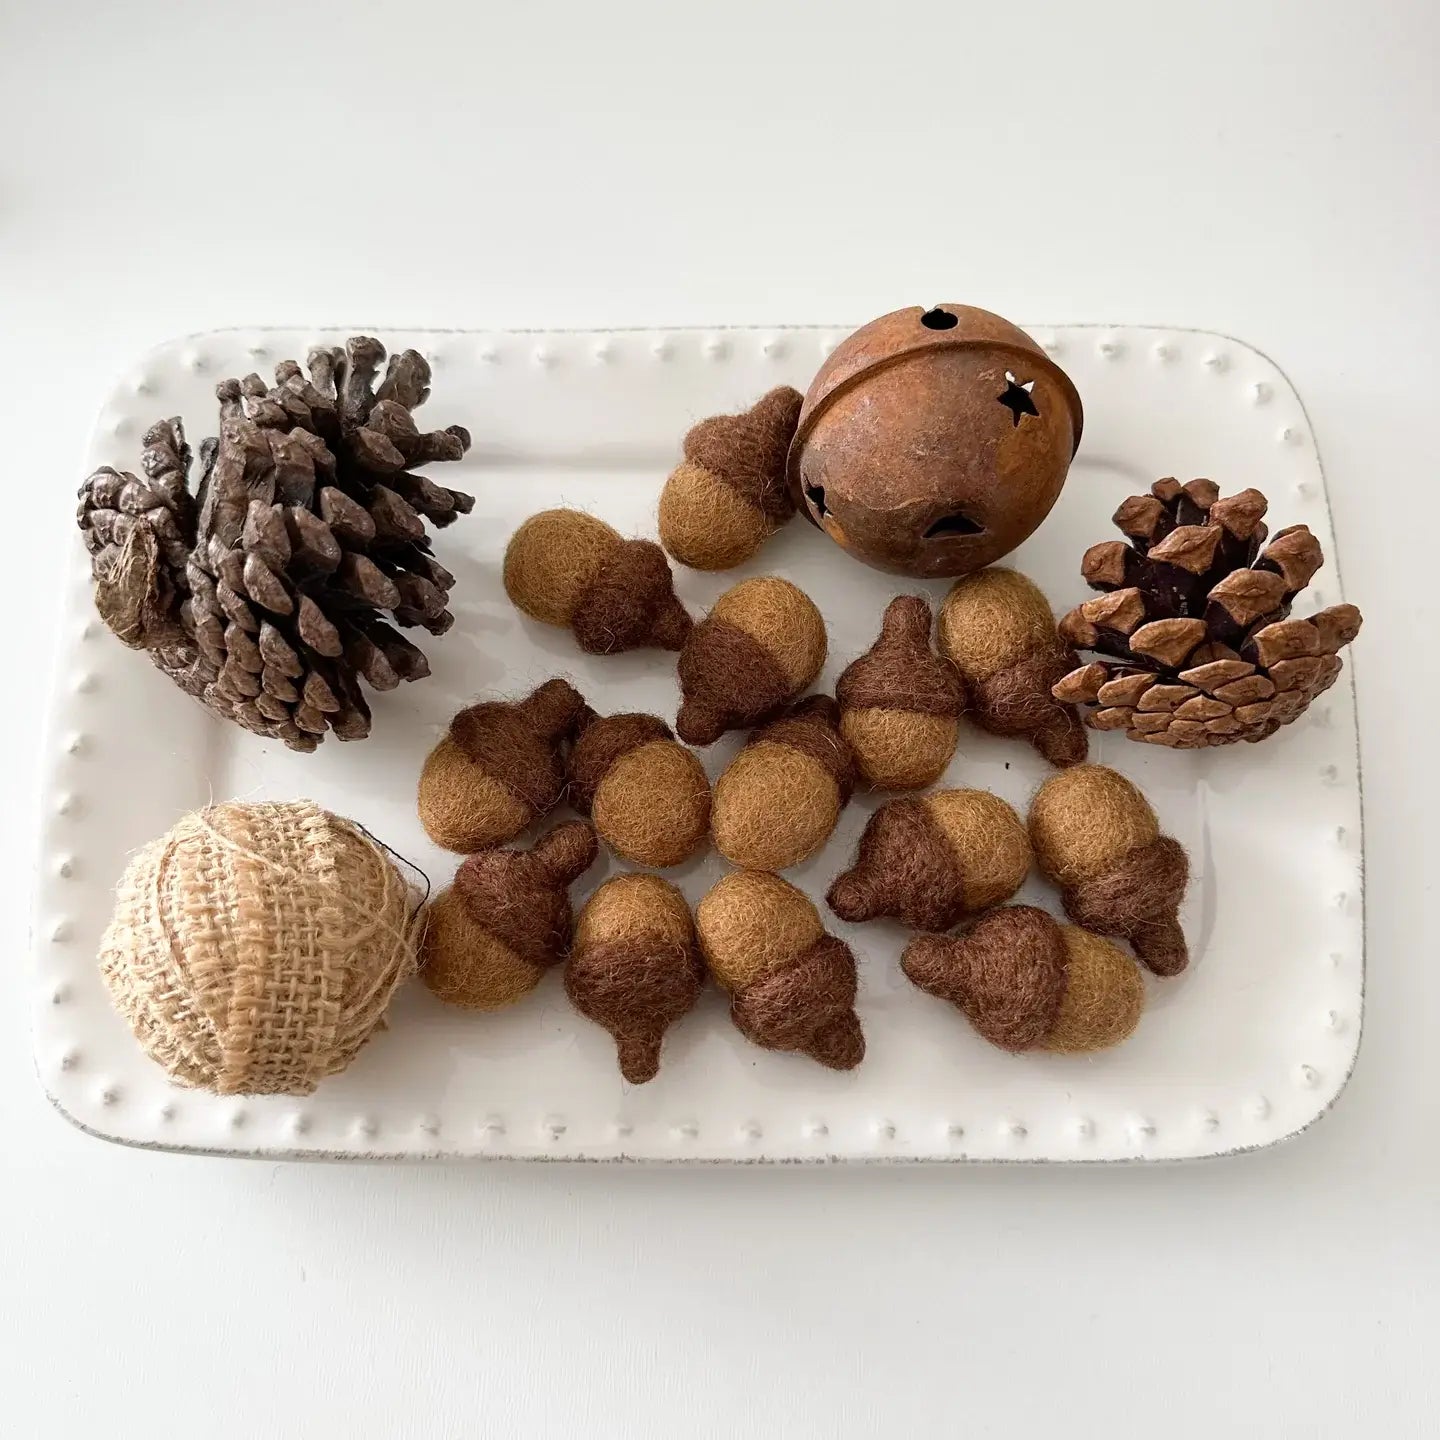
(932, 442)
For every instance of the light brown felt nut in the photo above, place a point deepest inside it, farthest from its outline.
(762, 644)
(998, 630)
(635, 967)
(1096, 836)
(792, 986)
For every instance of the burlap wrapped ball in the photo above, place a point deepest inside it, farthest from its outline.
(254, 949)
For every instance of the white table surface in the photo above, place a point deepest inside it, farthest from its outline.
(1269, 170)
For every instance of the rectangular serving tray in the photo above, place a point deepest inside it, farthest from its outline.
(1247, 1048)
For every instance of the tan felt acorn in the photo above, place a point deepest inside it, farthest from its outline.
(567, 568)
(901, 703)
(729, 495)
(635, 967)
(1096, 837)
(498, 769)
(792, 986)
(779, 799)
(1026, 982)
(999, 631)
(761, 645)
(505, 920)
(930, 861)
(648, 796)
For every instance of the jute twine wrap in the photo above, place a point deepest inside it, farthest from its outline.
(254, 949)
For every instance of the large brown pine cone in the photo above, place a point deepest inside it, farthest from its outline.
(1193, 637)
(267, 594)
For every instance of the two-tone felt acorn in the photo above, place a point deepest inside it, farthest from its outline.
(635, 968)
(779, 799)
(505, 920)
(1096, 837)
(729, 495)
(900, 702)
(930, 861)
(998, 630)
(567, 568)
(792, 986)
(498, 768)
(1026, 982)
(762, 645)
(647, 795)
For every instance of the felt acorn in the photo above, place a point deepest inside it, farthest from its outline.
(1026, 982)
(498, 769)
(761, 645)
(647, 795)
(1096, 837)
(999, 631)
(900, 702)
(929, 861)
(729, 495)
(792, 986)
(567, 568)
(635, 968)
(505, 920)
(779, 799)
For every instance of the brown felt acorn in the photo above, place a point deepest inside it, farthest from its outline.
(505, 920)
(648, 796)
(901, 703)
(999, 631)
(930, 861)
(498, 769)
(729, 495)
(1096, 837)
(567, 568)
(792, 986)
(779, 799)
(762, 644)
(1026, 982)
(635, 968)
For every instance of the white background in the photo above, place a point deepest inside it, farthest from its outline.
(1269, 170)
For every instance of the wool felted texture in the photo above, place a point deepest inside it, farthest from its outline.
(729, 494)
(505, 920)
(901, 703)
(498, 769)
(648, 796)
(635, 967)
(567, 568)
(929, 861)
(1096, 837)
(998, 630)
(254, 948)
(762, 644)
(792, 986)
(1026, 982)
(778, 800)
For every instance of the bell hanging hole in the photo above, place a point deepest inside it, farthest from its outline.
(938, 319)
(957, 524)
(815, 494)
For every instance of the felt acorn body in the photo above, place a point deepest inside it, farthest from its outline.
(647, 795)
(567, 568)
(930, 861)
(762, 644)
(1096, 837)
(998, 630)
(635, 968)
(730, 494)
(792, 986)
(1026, 982)
(901, 703)
(505, 920)
(498, 769)
(779, 799)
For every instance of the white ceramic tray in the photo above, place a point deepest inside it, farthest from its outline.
(1246, 1049)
